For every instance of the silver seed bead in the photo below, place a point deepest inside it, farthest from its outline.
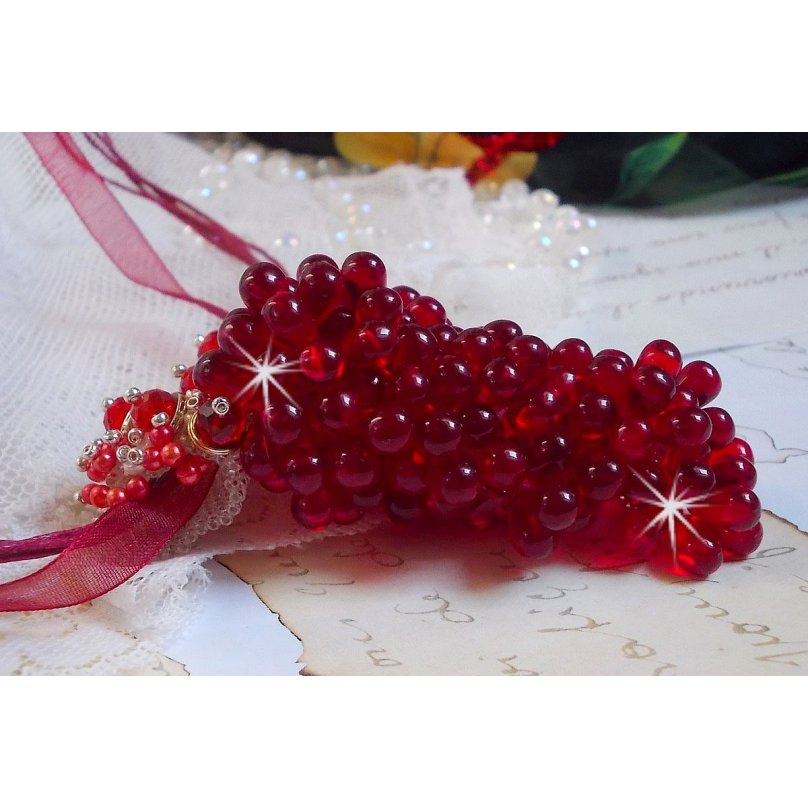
(221, 406)
(82, 463)
(87, 450)
(161, 419)
(135, 456)
(113, 436)
(131, 394)
(77, 496)
(106, 403)
(122, 453)
(134, 436)
(97, 443)
(198, 340)
(178, 370)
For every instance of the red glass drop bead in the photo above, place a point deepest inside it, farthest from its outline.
(503, 332)
(216, 374)
(320, 285)
(189, 470)
(337, 326)
(243, 332)
(653, 386)
(283, 422)
(690, 427)
(663, 355)
(614, 353)
(259, 283)
(478, 421)
(152, 461)
(321, 362)
(367, 499)
(171, 454)
(356, 469)
(558, 508)
(412, 386)
(404, 475)
(375, 338)
(257, 462)
(390, 431)
(457, 483)
(116, 413)
(611, 376)
(734, 508)
(527, 352)
(683, 398)
(379, 304)
(220, 431)
(315, 260)
(406, 293)
(632, 439)
(363, 271)
(441, 433)
(287, 316)
(528, 534)
(570, 354)
(304, 472)
(596, 412)
(405, 507)
(210, 342)
(694, 479)
(500, 381)
(738, 544)
(427, 311)
(702, 378)
(159, 436)
(137, 488)
(504, 466)
(451, 379)
(731, 471)
(489, 511)
(541, 413)
(340, 410)
(444, 334)
(475, 346)
(187, 380)
(98, 496)
(696, 555)
(723, 426)
(737, 447)
(344, 510)
(601, 478)
(312, 511)
(553, 450)
(415, 345)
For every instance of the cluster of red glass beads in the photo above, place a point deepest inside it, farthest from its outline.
(384, 403)
(140, 444)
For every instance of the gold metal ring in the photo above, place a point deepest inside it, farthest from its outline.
(190, 427)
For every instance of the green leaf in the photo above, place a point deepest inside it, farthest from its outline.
(643, 164)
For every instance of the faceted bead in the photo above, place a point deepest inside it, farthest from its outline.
(312, 511)
(379, 304)
(390, 431)
(663, 355)
(441, 433)
(528, 353)
(654, 387)
(220, 431)
(723, 426)
(503, 466)
(283, 422)
(259, 283)
(571, 354)
(137, 488)
(116, 413)
(304, 472)
(287, 316)
(151, 403)
(503, 332)
(363, 271)
(702, 378)
(427, 311)
(243, 332)
(321, 362)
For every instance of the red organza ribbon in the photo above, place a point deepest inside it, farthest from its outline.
(102, 555)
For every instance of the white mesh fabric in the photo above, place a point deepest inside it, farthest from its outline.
(73, 330)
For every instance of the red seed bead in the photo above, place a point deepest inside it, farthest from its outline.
(152, 461)
(457, 483)
(406, 293)
(663, 355)
(390, 431)
(653, 386)
(115, 414)
(312, 511)
(737, 544)
(363, 271)
(723, 426)
(415, 345)
(527, 352)
(690, 427)
(379, 304)
(217, 374)
(304, 472)
(104, 459)
(137, 488)
(159, 436)
(260, 282)
(188, 470)
(441, 433)
(98, 496)
(171, 454)
(570, 354)
(731, 471)
(696, 555)
(558, 508)
(210, 342)
(288, 317)
(427, 311)
(478, 421)
(702, 378)
(504, 466)
(96, 474)
(243, 331)
(283, 422)
(356, 469)
(86, 493)
(632, 439)
(553, 450)
(503, 332)
(321, 362)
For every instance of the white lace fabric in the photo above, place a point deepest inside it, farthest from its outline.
(74, 330)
